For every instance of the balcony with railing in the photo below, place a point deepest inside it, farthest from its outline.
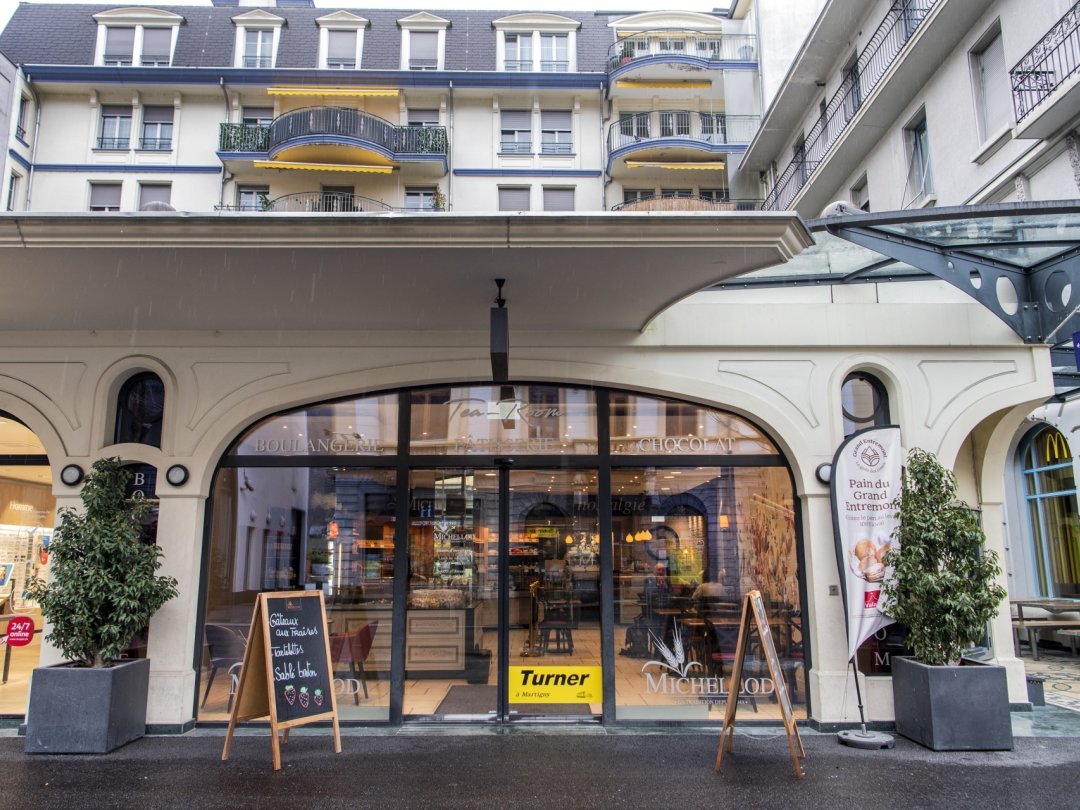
(681, 202)
(1046, 82)
(333, 202)
(672, 51)
(873, 66)
(677, 136)
(244, 139)
(341, 134)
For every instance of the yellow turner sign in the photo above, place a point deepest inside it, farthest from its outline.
(555, 684)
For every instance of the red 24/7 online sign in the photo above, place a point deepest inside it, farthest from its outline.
(20, 631)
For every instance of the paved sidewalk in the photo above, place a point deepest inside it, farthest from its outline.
(526, 768)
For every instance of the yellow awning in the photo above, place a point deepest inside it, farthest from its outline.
(713, 166)
(341, 92)
(322, 167)
(645, 85)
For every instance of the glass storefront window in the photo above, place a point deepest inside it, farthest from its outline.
(646, 426)
(519, 419)
(296, 528)
(359, 427)
(689, 543)
(1050, 492)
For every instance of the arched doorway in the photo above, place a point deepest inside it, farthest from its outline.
(507, 538)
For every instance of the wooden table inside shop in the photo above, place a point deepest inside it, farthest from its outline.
(1033, 626)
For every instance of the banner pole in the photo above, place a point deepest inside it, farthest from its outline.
(863, 738)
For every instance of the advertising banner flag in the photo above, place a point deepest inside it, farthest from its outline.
(865, 486)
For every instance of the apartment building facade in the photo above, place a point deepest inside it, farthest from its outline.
(257, 248)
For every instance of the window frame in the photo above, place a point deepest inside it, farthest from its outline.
(511, 141)
(143, 186)
(106, 207)
(120, 140)
(989, 130)
(141, 20)
(559, 190)
(162, 139)
(342, 63)
(261, 197)
(526, 189)
(555, 139)
(921, 172)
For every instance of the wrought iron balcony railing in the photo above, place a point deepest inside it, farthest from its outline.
(244, 138)
(677, 202)
(716, 129)
(1054, 58)
(118, 144)
(682, 43)
(309, 124)
(155, 144)
(326, 202)
(895, 31)
(258, 61)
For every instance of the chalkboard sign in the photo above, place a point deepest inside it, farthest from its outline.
(287, 670)
(754, 614)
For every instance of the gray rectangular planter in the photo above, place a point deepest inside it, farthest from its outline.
(952, 708)
(77, 710)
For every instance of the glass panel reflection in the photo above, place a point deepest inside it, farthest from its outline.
(322, 528)
(689, 543)
(359, 427)
(647, 426)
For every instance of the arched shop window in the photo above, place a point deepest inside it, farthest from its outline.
(864, 402)
(140, 406)
(1050, 492)
(699, 504)
(27, 519)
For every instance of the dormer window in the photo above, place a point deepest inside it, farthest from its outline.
(537, 42)
(258, 33)
(423, 42)
(140, 37)
(341, 40)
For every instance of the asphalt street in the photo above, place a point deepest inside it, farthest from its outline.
(551, 768)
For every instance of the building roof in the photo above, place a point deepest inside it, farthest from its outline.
(207, 36)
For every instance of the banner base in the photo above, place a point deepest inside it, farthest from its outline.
(865, 739)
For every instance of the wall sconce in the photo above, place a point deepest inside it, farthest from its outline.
(569, 539)
(823, 472)
(71, 475)
(177, 475)
(725, 521)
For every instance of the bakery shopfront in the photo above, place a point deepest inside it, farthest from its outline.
(457, 533)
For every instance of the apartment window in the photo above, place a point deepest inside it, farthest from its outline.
(514, 199)
(24, 117)
(341, 50)
(257, 116)
(798, 157)
(13, 190)
(554, 53)
(104, 196)
(852, 87)
(860, 194)
(157, 129)
(423, 50)
(516, 134)
(713, 128)
(252, 198)
(714, 194)
(119, 45)
(420, 199)
(258, 48)
(518, 52)
(682, 193)
(115, 127)
(156, 47)
(154, 193)
(555, 136)
(993, 96)
(422, 118)
(634, 125)
(558, 199)
(336, 199)
(674, 124)
(630, 195)
(920, 176)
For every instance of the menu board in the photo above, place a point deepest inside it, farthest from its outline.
(287, 671)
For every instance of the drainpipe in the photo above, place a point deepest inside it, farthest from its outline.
(605, 118)
(33, 145)
(225, 176)
(450, 153)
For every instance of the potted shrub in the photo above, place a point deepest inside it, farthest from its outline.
(943, 588)
(102, 589)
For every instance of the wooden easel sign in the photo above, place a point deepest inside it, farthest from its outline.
(754, 612)
(286, 674)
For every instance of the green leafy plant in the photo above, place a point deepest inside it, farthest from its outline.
(438, 200)
(943, 581)
(103, 585)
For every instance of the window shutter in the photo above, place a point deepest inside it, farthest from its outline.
(514, 199)
(157, 41)
(115, 111)
(558, 199)
(555, 119)
(105, 195)
(517, 119)
(119, 41)
(424, 45)
(154, 193)
(157, 115)
(423, 118)
(341, 45)
(995, 90)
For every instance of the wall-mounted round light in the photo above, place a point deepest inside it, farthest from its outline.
(71, 474)
(824, 472)
(177, 475)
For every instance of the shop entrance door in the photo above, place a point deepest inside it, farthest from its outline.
(503, 608)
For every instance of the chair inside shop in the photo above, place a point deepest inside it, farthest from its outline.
(226, 650)
(351, 649)
(559, 620)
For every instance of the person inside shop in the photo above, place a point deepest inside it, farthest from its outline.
(657, 586)
(711, 596)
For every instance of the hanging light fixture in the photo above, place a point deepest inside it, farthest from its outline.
(629, 537)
